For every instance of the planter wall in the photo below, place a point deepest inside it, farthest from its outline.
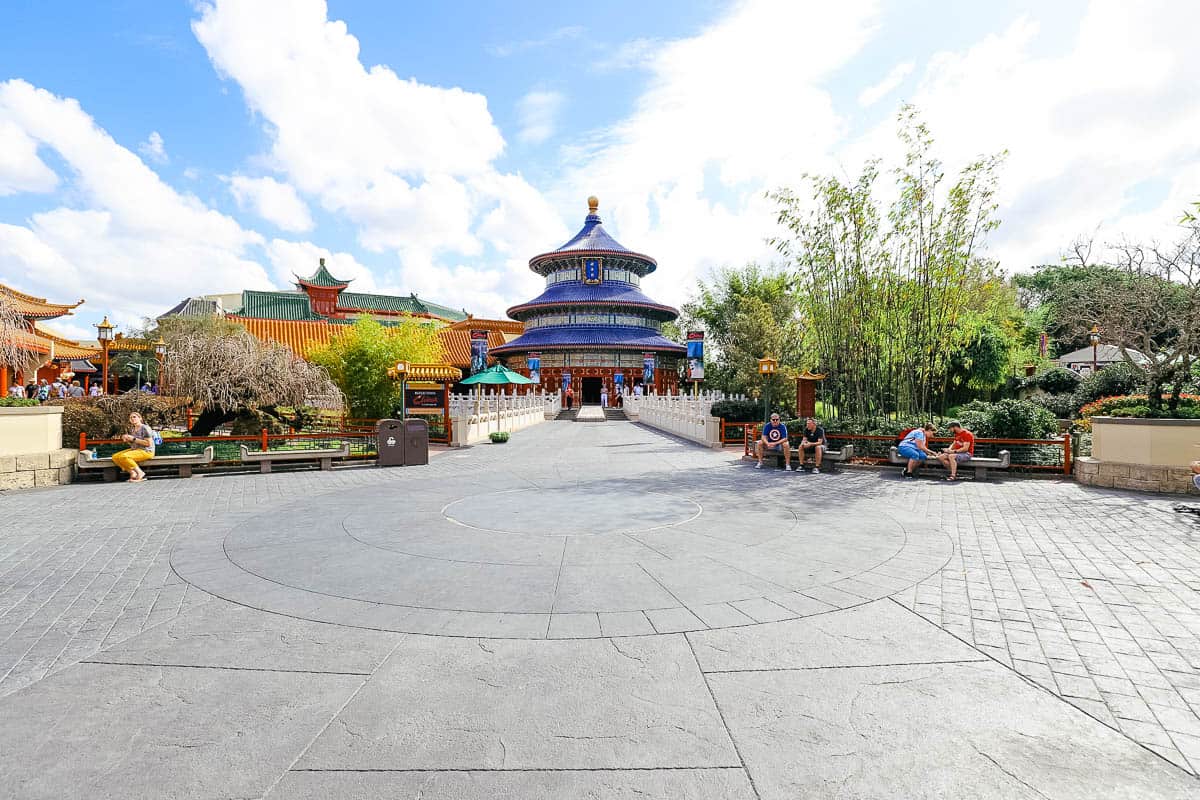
(31, 451)
(1146, 454)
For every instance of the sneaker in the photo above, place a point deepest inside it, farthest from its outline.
(758, 465)
(816, 470)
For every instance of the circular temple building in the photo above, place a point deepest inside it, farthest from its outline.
(593, 327)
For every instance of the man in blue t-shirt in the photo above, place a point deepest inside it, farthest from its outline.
(774, 437)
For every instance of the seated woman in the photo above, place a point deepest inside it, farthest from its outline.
(141, 448)
(1196, 474)
(915, 447)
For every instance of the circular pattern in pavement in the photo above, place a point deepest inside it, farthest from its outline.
(560, 561)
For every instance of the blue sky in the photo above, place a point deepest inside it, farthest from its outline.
(152, 150)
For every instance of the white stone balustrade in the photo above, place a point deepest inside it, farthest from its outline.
(474, 417)
(684, 415)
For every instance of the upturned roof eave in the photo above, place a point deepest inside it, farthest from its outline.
(671, 313)
(538, 260)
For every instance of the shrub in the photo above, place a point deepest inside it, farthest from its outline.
(498, 437)
(1115, 379)
(1054, 381)
(1136, 405)
(738, 410)
(107, 417)
(1060, 405)
(16, 402)
(873, 426)
(1009, 419)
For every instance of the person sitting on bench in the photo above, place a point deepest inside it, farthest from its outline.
(812, 440)
(915, 447)
(774, 436)
(960, 450)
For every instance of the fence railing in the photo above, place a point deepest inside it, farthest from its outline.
(226, 449)
(1049, 455)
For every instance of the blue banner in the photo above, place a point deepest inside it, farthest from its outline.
(566, 381)
(534, 362)
(619, 381)
(648, 370)
(479, 351)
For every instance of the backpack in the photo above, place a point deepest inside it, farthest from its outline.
(43, 392)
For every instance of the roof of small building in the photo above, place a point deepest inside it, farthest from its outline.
(607, 337)
(1107, 353)
(456, 345)
(194, 307)
(506, 326)
(299, 336)
(65, 348)
(277, 305)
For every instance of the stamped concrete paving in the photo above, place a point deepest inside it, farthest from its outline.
(596, 611)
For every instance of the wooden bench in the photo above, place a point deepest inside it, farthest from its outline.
(829, 459)
(980, 465)
(267, 457)
(183, 463)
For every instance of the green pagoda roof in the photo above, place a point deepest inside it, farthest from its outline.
(322, 277)
(410, 304)
(277, 305)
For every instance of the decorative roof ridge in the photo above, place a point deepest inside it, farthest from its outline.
(28, 298)
(322, 278)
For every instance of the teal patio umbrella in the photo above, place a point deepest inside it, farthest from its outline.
(496, 374)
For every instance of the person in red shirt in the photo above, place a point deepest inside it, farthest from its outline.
(960, 450)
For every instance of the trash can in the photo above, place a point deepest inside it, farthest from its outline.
(416, 442)
(389, 442)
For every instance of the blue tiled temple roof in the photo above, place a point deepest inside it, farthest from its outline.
(574, 293)
(592, 238)
(607, 337)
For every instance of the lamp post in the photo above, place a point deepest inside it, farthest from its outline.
(402, 371)
(104, 332)
(1094, 338)
(767, 367)
(160, 354)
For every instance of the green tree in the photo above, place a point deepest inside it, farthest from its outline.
(890, 297)
(747, 314)
(358, 358)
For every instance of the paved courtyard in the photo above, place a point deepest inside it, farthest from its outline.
(596, 611)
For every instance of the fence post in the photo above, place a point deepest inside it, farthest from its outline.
(264, 440)
(1067, 453)
(83, 440)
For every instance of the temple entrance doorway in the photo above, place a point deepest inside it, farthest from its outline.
(590, 391)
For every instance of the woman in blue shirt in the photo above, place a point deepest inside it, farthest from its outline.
(915, 447)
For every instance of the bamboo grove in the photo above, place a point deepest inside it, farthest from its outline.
(897, 305)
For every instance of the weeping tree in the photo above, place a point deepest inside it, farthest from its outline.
(14, 345)
(235, 375)
(889, 297)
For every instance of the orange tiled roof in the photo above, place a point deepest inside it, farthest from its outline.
(32, 342)
(456, 344)
(502, 325)
(299, 336)
(68, 348)
(121, 343)
(37, 307)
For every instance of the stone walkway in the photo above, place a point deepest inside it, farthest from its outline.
(597, 611)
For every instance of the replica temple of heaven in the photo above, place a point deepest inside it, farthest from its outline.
(593, 327)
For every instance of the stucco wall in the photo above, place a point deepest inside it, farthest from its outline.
(30, 430)
(1153, 442)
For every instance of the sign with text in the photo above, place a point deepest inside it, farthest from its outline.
(695, 355)
(479, 351)
(591, 271)
(416, 399)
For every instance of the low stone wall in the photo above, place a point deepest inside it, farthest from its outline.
(1149, 455)
(31, 451)
(37, 469)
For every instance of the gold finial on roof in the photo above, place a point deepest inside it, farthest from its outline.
(593, 204)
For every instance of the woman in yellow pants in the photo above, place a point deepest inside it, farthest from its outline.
(141, 448)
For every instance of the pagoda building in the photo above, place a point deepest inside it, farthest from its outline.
(43, 353)
(592, 327)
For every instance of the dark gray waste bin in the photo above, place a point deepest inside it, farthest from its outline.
(389, 442)
(416, 442)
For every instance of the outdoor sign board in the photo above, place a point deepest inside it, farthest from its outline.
(479, 351)
(648, 370)
(566, 381)
(591, 271)
(534, 362)
(695, 355)
(417, 399)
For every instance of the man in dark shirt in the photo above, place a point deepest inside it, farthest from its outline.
(812, 440)
(774, 437)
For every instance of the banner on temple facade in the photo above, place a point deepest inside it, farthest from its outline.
(479, 351)
(534, 363)
(695, 355)
(566, 381)
(648, 370)
(619, 382)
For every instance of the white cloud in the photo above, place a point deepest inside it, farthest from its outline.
(505, 49)
(873, 94)
(275, 202)
(135, 246)
(411, 165)
(153, 148)
(21, 170)
(292, 259)
(538, 111)
(729, 113)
